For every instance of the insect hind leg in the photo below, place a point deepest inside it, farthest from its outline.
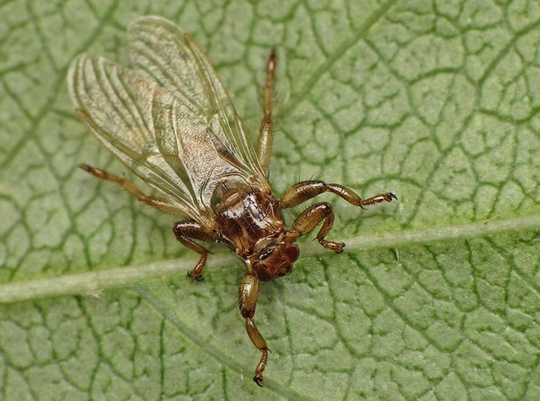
(266, 131)
(157, 203)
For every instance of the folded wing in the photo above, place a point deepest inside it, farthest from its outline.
(169, 120)
(172, 58)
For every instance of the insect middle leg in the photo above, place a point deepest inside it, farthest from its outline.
(265, 135)
(306, 190)
(247, 302)
(184, 232)
(157, 203)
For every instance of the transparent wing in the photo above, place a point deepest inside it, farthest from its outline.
(165, 141)
(172, 58)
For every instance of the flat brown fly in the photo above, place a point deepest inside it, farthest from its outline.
(170, 120)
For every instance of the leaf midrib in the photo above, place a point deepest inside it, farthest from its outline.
(123, 276)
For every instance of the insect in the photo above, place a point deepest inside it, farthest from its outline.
(170, 120)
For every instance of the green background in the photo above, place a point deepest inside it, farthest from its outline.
(438, 295)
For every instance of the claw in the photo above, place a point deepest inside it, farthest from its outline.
(193, 276)
(389, 196)
(259, 380)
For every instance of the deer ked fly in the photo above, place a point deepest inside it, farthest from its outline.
(169, 119)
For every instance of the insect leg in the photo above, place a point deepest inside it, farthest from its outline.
(184, 232)
(247, 301)
(265, 135)
(158, 203)
(309, 219)
(306, 190)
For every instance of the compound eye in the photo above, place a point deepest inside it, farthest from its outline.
(267, 252)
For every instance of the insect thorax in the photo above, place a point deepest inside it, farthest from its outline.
(246, 216)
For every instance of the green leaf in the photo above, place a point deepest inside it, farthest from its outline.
(437, 296)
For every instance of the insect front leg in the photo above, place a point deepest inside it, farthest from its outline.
(306, 190)
(309, 219)
(184, 232)
(265, 135)
(157, 203)
(247, 302)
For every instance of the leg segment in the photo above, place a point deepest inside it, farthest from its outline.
(265, 135)
(309, 219)
(157, 203)
(184, 232)
(306, 190)
(247, 301)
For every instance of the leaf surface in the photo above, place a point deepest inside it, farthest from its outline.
(437, 296)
